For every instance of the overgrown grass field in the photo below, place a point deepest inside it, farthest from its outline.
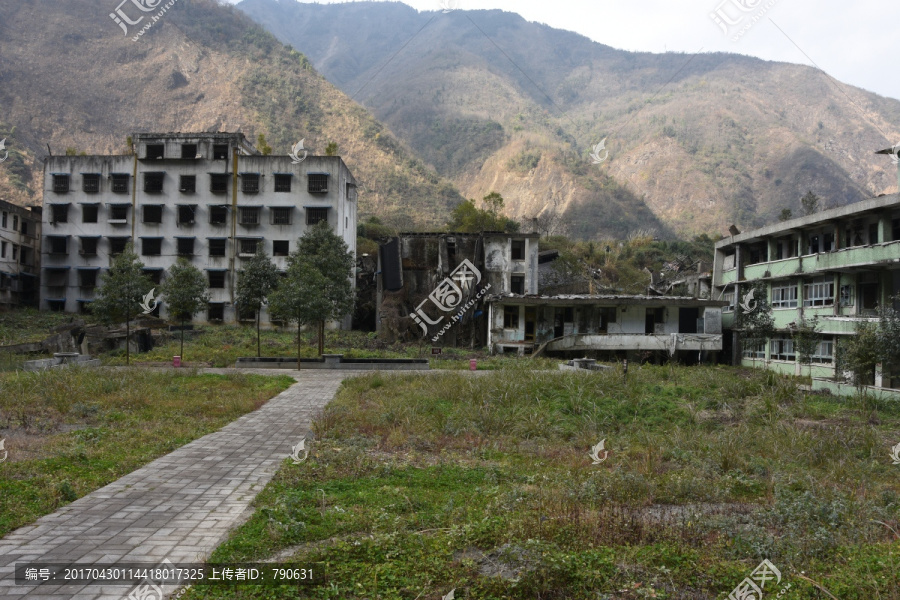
(422, 484)
(71, 431)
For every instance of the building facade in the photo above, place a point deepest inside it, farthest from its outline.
(210, 198)
(413, 290)
(839, 265)
(605, 325)
(20, 255)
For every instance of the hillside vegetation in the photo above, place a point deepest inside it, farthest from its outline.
(496, 103)
(73, 80)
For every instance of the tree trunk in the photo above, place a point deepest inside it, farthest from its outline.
(127, 335)
(298, 341)
(182, 340)
(258, 354)
(321, 338)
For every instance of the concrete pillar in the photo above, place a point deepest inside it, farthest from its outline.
(884, 228)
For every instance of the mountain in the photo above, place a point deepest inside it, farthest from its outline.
(71, 78)
(695, 142)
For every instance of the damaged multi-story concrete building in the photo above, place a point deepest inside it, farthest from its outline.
(433, 285)
(481, 289)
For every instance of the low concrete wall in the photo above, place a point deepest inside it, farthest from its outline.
(843, 389)
(336, 361)
(62, 360)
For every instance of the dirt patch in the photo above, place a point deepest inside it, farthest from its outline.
(508, 562)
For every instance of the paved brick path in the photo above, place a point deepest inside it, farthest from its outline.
(179, 507)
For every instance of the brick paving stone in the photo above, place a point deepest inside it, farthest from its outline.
(181, 506)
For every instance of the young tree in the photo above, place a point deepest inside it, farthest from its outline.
(467, 218)
(262, 145)
(810, 203)
(754, 314)
(122, 289)
(185, 293)
(786, 215)
(329, 254)
(299, 296)
(331, 149)
(257, 280)
(329, 287)
(805, 334)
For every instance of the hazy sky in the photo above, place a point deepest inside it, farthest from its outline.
(854, 42)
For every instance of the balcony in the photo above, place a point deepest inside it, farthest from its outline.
(846, 259)
(662, 342)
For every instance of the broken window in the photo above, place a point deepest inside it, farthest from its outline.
(59, 213)
(58, 244)
(218, 183)
(153, 213)
(217, 279)
(155, 151)
(215, 311)
(517, 284)
(87, 278)
(117, 245)
(153, 182)
(151, 246)
(280, 248)
(186, 214)
(217, 246)
(511, 317)
(220, 151)
(218, 215)
(118, 213)
(154, 275)
(189, 151)
(185, 246)
(248, 247)
(187, 184)
(518, 249)
(89, 245)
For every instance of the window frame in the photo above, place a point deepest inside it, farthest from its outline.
(812, 292)
(285, 214)
(313, 211)
(282, 181)
(781, 296)
(90, 183)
